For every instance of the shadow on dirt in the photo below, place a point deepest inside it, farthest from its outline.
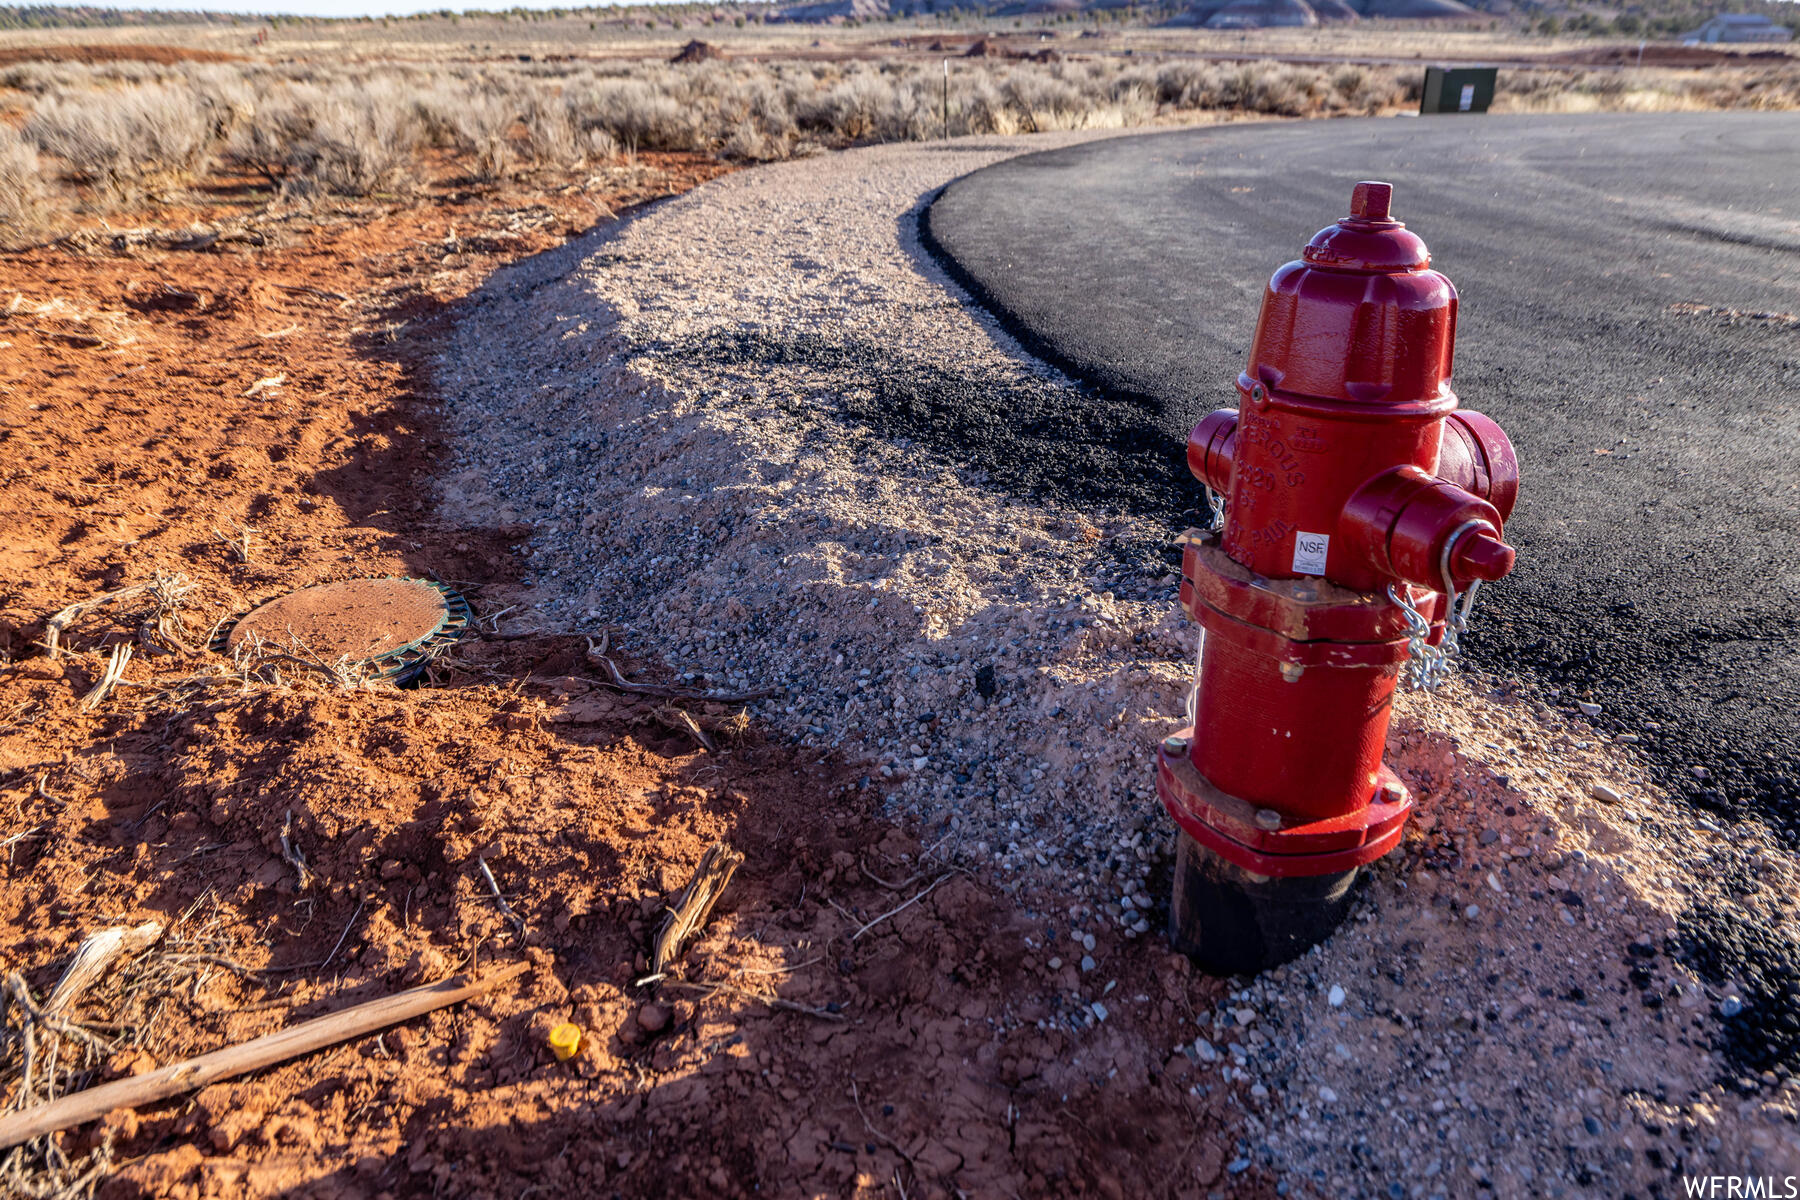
(854, 1018)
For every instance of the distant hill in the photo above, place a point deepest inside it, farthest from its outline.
(1599, 18)
(1212, 14)
(1604, 18)
(1276, 14)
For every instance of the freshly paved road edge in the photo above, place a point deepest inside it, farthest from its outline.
(1629, 287)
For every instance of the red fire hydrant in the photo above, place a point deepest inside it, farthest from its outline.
(1359, 506)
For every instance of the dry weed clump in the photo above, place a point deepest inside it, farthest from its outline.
(1649, 90)
(351, 138)
(124, 131)
(126, 141)
(62, 1043)
(24, 199)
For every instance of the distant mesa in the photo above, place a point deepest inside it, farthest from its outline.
(1277, 14)
(1738, 27)
(1263, 14)
(833, 12)
(697, 51)
(1415, 10)
(1039, 8)
(1210, 14)
(836, 12)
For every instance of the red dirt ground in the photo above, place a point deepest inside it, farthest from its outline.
(140, 431)
(1667, 54)
(120, 53)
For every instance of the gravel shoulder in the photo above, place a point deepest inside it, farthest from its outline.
(755, 432)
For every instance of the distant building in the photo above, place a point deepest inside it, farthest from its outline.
(1738, 27)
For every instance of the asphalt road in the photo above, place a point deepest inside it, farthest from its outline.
(1629, 286)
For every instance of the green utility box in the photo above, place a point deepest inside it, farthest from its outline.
(1458, 89)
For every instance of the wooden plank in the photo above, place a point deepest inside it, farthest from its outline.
(266, 1051)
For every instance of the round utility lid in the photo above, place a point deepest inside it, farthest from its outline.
(390, 624)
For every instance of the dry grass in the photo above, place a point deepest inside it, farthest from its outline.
(24, 200)
(45, 1052)
(125, 141)
(101, 136)
(1761, 88)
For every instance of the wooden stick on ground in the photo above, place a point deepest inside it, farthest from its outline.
(623, 684)
(115, 671)
(265, 1051)
(97, 952)
(518, 922)
(682, 722)
(292, 854)
(716, 868)
(54, 627)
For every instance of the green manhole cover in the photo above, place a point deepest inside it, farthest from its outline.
(390, 627)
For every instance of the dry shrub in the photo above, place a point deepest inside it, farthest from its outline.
(315, 128)
(126, 141)
(365, 139)
(483, 122)
(550, 131)
(1360, 90)
(1649, 90)
(865, 106)
(638, 114)
(24, 200)
(1272, 88)
(355, 138)
(748, 142)
(265, 141)
(557, 135)
(34, 78)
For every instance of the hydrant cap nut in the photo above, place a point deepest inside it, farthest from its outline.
(1481, 556)
(1370, 199)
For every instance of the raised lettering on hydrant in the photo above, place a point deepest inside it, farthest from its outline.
(1361, 513)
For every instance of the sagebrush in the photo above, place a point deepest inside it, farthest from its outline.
(122, 132)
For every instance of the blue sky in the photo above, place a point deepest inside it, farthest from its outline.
(338, 8)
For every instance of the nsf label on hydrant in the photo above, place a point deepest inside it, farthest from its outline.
(1310, 550)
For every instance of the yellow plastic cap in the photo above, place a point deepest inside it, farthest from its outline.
(565, 1040)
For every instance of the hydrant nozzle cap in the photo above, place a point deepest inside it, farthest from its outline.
(1482, 557)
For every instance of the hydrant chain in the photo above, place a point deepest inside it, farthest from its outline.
(1215, 507)
(1426, 665)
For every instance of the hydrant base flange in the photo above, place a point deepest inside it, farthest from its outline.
(1267, 843)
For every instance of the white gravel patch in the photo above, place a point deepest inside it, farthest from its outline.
(720, 513)
(665, 404)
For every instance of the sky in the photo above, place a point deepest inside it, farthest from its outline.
(338, 8)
